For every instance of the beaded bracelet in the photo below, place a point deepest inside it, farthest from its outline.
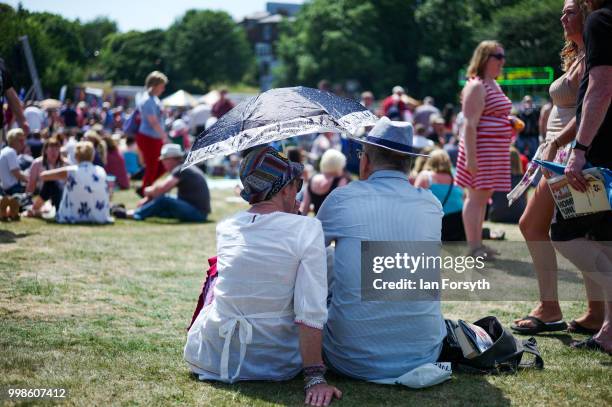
(314, 370)
(314, 381)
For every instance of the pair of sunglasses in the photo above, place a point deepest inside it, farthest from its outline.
(499, 57)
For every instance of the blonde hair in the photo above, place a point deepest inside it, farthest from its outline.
(439, 162)
(84, 151)
(13, 135)
(570, 51)
(98, 143)
(480, 57)
(332, 162)
(155, 78)
(420, 161)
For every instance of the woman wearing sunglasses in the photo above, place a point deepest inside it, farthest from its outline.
(483, 165)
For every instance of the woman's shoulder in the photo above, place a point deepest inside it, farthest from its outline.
(36, 164)
(474, 85)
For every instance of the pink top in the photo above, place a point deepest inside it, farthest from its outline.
(115, 165)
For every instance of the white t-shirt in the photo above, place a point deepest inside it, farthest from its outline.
(35, 118)
(272, 275)
(8, 163)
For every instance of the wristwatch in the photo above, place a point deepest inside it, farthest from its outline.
(578, 146)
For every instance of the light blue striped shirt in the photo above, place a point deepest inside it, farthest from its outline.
(376, 340)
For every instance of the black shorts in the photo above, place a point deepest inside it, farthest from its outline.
(597, 226)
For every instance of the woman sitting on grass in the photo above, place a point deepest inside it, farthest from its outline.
(51, 190)
(85, 198)
(268, 306)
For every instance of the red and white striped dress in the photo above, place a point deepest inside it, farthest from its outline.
(493, 138)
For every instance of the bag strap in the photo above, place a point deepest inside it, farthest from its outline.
(450, 189)
(531, 346)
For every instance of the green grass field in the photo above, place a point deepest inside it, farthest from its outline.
(102, 312)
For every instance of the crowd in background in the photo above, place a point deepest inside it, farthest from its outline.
(130, 158)
(72, 157)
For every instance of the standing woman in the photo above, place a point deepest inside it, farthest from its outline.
(151, 135)
(483, 165)
(536, 220)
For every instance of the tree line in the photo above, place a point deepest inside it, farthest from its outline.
(199, 49)
(420, 44)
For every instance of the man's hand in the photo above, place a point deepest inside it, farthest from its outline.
(321, 395)
(573, 171)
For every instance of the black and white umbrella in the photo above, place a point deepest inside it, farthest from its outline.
(276, 115)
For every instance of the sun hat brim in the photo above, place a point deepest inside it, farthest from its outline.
(373, 143)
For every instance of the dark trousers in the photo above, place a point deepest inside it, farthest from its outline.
(51, 190)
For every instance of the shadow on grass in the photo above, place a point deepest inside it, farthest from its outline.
(563, 337)
(461, 390)
(170, 221)
(524, 269)
(6, 236)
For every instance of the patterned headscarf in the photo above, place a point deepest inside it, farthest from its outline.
(264, 172)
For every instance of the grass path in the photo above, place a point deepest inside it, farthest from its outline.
(102, 311)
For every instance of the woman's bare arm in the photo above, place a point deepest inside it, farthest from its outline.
(473, 104)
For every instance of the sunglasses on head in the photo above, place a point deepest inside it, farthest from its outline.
(499, 57)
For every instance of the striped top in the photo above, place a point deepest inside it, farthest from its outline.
(493, 138)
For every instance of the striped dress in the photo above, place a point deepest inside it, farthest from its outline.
(493, 137)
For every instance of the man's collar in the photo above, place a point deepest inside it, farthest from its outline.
(388, 174)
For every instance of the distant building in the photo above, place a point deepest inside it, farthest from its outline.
(262, 29)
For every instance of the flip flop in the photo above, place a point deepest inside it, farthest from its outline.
(575, 328)
(589, 344)
(540, 326)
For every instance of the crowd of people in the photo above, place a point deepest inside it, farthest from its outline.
(444, 170)
(468, 162)
(44, 160)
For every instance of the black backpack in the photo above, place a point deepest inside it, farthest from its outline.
(504, 356)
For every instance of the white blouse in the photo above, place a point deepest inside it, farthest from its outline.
(272, 275)
(85, 198)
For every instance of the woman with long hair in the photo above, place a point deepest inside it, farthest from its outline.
(536, 220)
(50, 159)
(483, 164)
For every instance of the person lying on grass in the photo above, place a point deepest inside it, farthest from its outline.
(269, 307)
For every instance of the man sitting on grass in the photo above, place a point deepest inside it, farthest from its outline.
(193, 201)
(373, 340)
(268, 309)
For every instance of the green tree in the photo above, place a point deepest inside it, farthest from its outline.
(93, 33)
(205, 47)
(55, 46)
(59, 54)
(531, 32)
(128, 58)
(367, 41)
(446, 44)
